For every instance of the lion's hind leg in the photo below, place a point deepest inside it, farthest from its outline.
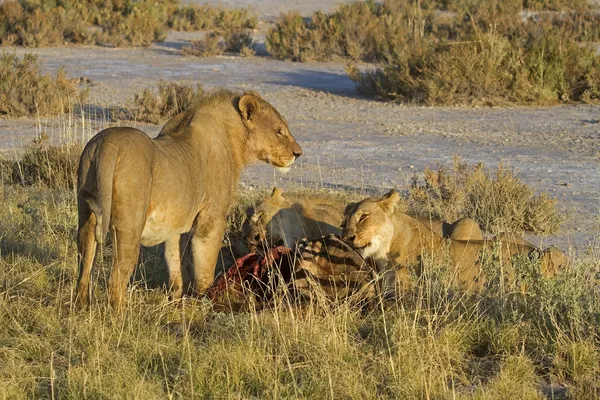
(86, 251)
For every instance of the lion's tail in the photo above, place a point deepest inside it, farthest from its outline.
(101, 203)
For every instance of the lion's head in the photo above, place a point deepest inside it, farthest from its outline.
(268, 132)
(260, 221)
(368, 226)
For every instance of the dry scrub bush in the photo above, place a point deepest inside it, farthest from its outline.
(24, 91)
(210, 45)
(383, 32)
(492, 70)
(116, 23)
(499, 201)
(206, 17)
(228, 30)
(214, 44)
(43, 164)
(453, 52)
(171, 99)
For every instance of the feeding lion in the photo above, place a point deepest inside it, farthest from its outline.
(395, 241)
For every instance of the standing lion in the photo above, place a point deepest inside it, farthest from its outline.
(148, 191)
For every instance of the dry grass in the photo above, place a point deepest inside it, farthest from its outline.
(43, 164)
(432, 344)
(24, 91)
(499, 201)
(171, 99)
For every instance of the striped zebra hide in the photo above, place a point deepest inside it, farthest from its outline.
(323, 269)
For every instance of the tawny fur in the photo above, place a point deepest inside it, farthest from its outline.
(149, 191)
(289, 217)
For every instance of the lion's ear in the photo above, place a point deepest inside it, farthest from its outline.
(253, 94)
(277, 193)
(389, 202)
(249, 106)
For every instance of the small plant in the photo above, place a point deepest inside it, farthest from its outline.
(171, 99)
(24, 91)
(499, 202)
(235, 42)
(211, 45)
(43, 164)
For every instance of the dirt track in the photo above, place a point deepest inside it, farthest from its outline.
(351, 141)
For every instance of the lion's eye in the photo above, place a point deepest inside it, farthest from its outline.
(363, 217)
(279, 132)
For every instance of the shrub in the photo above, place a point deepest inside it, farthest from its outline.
(452, 52)
(115, 23)
(499, 201)
(211, 45)
(490, 71)
(171, 99)
(206, 17)
(234, 42)
(43, 164)
(24, 91)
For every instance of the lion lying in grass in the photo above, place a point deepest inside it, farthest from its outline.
(286, 218)
(396, 241)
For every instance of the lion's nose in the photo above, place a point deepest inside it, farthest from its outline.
(297, 151)
(349, 238)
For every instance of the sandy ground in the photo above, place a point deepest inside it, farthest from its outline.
(348, 141)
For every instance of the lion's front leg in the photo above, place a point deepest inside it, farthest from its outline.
(173, 258)
(206, 245)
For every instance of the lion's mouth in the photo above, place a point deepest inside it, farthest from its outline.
(361, 247)
(281, 166)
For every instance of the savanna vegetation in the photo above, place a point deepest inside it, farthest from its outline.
(454, 52)
(527, 338)
(118, 23)
(25, 91)
(158, 106)
(432, 343)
